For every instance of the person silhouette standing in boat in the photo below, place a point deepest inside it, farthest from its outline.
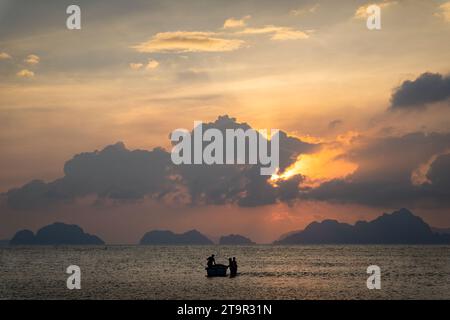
(211, 261)
(235, 266)
(230, 265)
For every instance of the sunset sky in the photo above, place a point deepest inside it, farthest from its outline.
(368, 113)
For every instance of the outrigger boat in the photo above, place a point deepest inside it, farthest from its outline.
(218, 270)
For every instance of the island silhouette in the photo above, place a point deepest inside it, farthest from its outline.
(235, 239)
(398, 227)
(56, 234)
(166, 237)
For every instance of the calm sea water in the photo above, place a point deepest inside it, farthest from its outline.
(266, 272)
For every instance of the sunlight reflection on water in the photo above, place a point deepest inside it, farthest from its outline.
(266, 272)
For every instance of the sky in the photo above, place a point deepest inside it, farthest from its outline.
(85, 115)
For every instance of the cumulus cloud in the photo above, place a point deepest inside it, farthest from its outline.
(188, 41)
(4, 56)
(444, 11)
(383, 176)
(32, 59)
(277, 33)
(152, 64)
(439, 175)
(361, 12)
(232, 23)
(136, 65)
(121, 174)
(114, 172)
(241, 184)
(385, 167)
(416, 94)
(303, 11)
(25, 73)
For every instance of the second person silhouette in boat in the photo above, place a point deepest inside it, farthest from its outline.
(233, 267)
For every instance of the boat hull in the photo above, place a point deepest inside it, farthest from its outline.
(216, 271)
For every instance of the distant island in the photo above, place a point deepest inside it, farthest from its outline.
(235, 239)
(399, 227)
(166, 237)
(56, 234)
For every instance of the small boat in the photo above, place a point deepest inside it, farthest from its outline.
(218, 270)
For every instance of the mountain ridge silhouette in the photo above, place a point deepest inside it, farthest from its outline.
(57, 233)
(398, 227)
(235, 239)
(167, 237)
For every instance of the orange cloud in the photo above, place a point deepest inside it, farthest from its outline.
(300, 12)
(32, 59)
(444, 11)
(152, 64)
(4, 56)
(188, 41)
(278, 33)
(325, 165)
(235, 23)
(25, 73)
(361, 12)
(136, 66)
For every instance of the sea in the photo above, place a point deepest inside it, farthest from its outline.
(265, 272)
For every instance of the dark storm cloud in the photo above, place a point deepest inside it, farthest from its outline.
(439, 176)
(416, 94)
(383, 177)
(113, 172)
(242, 184)
(121, 174)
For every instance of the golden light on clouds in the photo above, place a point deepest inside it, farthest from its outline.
(152, 64)
(361, 12)
(32, 59)
(303, 11)
(444, 12)
(325, 165)
(278, 33)
(25, 73)
(188, 41)
(136, 66)
(235, 23)
(4, 56)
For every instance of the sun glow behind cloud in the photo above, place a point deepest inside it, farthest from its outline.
(326, 164)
